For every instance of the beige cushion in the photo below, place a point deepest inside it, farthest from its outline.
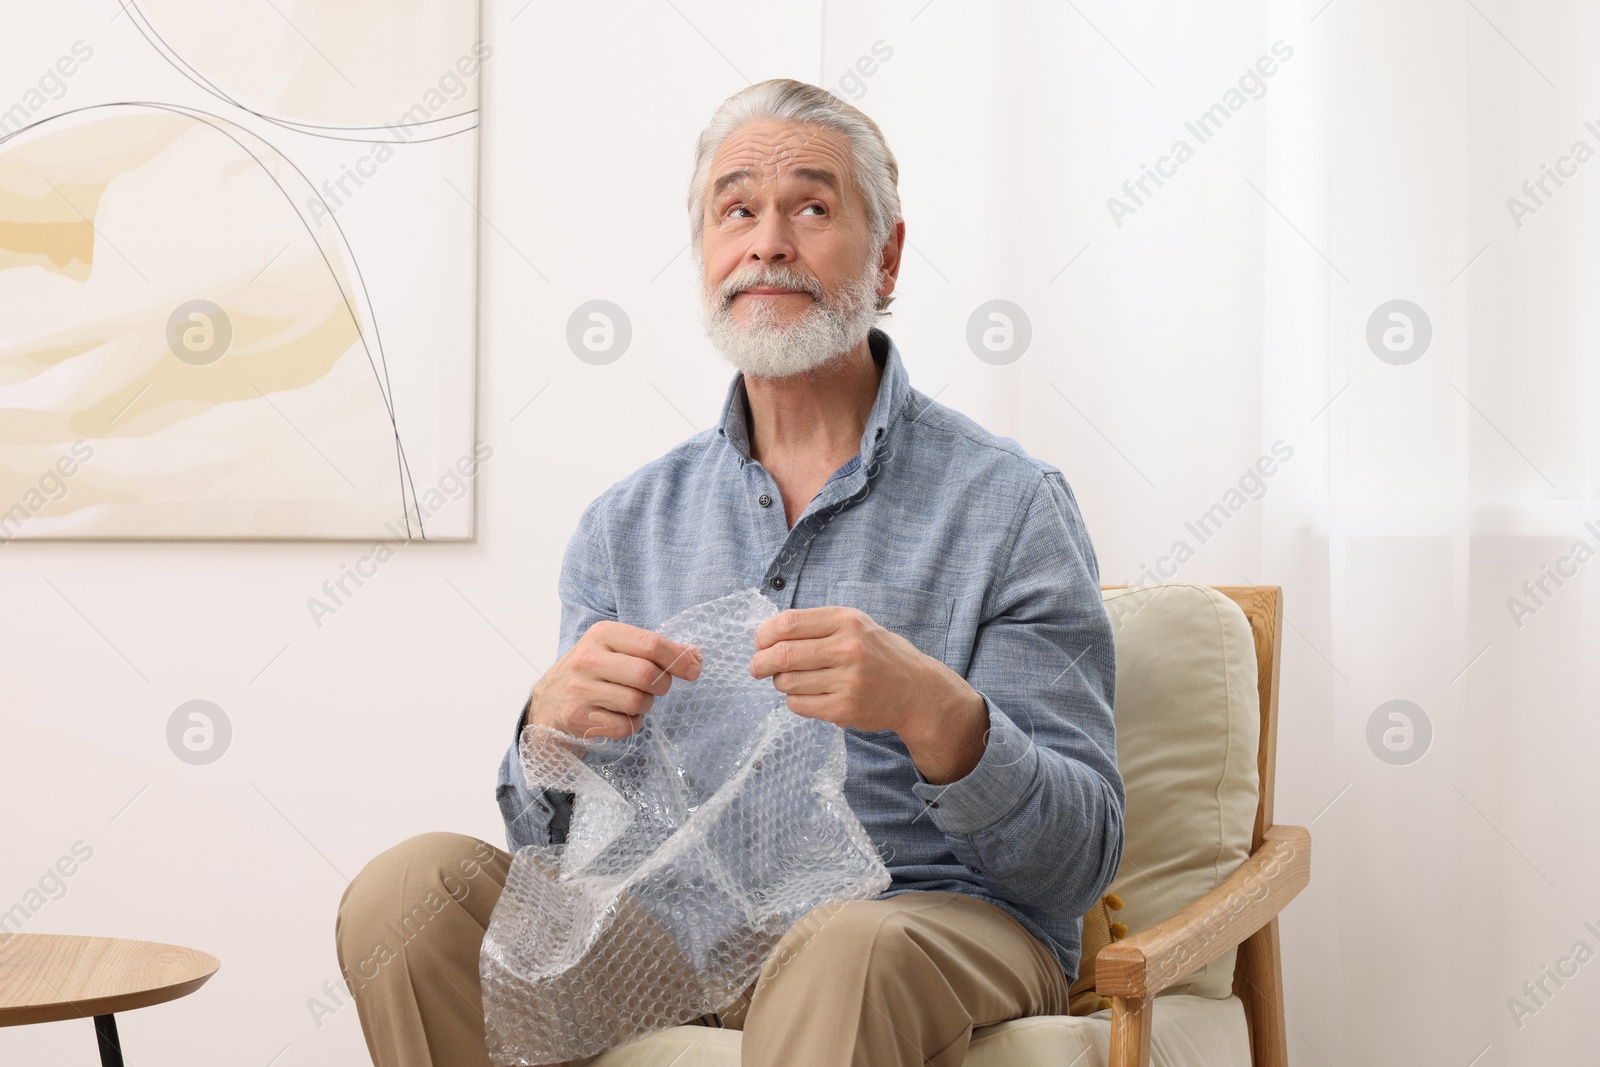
(1188, 720)
(1186, 1032)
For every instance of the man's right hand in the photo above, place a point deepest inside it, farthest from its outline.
(607, 681)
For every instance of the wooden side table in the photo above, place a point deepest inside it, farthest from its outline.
(49, 977)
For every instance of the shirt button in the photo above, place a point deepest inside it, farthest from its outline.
(764, 500)
(931, 803)
(879, 433)
(777, 583)
(974, 870)
(544, 808)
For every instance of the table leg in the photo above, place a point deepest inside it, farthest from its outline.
(105, 1031)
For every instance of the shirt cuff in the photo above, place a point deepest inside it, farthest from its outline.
(987, 795)
(526, 812)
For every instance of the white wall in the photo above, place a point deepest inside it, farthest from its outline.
(1175, 349)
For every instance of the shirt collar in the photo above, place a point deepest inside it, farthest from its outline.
(893, 389)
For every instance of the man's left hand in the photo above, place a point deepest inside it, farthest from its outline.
(838, 664)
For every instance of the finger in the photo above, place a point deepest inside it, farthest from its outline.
(810, 706)
(619, 668)
(614, 711)
(799, 623)
(612, 725)
(807, 683)
(805, 654)
(667, 654)
(621, 699)
(607, 699)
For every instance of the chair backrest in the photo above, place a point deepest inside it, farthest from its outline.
(1258, 974)
(1195, 744)
(1263, 608)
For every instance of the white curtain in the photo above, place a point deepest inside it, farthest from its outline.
(1228, 313)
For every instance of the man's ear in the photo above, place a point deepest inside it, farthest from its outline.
(889, 259)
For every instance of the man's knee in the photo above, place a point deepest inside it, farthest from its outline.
(404, 891)
(862, 937)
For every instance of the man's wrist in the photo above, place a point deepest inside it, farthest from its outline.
(947, 739)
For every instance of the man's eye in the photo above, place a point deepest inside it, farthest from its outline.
(819, 207)
(737, 207)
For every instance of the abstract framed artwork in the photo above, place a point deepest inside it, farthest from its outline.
(238, 271)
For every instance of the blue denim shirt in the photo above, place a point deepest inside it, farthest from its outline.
(950, 536)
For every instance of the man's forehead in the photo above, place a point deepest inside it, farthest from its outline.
(765, 151)
(740, 176)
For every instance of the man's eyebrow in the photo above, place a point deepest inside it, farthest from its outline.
(816, 174)
(731, 178)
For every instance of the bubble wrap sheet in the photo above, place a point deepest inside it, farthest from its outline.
(694, 845)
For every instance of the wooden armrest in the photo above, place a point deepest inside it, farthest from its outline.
(1145, 963)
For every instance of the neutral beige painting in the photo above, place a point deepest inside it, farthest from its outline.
(285, 433)
(325, 65)
(190, 343)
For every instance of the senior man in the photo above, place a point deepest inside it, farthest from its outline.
(939, 600)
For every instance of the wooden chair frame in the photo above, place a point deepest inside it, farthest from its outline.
(1242, 911)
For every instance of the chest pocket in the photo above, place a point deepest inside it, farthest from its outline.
(920, 616)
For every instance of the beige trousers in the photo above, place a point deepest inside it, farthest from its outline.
(869, 982)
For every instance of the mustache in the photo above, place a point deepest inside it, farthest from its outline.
(780, 276)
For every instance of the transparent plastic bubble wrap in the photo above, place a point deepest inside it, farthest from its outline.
(694, 845)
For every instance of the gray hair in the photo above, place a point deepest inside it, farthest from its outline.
(875, 171)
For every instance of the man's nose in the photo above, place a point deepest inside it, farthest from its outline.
(773, 240)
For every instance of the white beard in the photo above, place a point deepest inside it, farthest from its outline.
(768, 347)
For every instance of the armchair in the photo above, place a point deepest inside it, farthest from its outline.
(1205, 871)
(1242, 911)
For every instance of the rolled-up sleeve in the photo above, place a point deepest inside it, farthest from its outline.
(1039, 817)
(538, 816)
